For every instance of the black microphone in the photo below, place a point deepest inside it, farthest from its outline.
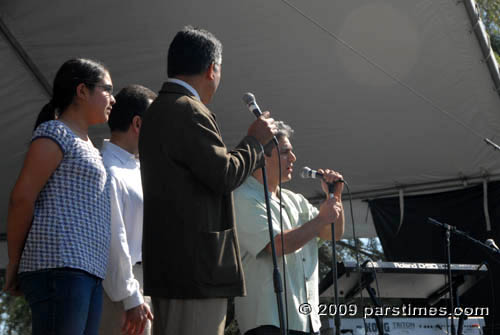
(249, 100)
(310, 173)
(489, 242)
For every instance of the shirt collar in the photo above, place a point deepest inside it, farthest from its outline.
(121, 154)
(185, 85)
(254, 184)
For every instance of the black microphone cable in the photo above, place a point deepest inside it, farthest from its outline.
(493, 302)
(377, 292)
(282, 236)
(492, 299)
(356, 248)
(249, 100)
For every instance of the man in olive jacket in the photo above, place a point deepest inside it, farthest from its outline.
(191, 256)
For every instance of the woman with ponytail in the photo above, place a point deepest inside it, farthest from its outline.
(59, 211)
(47, 113)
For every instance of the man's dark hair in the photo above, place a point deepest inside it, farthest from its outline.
(192, 51)
(130, 101)
(283, 130)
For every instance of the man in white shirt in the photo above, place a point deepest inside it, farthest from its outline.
(125, 309)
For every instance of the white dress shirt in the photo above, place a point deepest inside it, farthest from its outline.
(126, 225)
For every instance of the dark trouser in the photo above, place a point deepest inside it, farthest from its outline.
(272, 330)
(63, 301)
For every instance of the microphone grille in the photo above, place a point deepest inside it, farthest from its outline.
(248, 98)
(306, 172)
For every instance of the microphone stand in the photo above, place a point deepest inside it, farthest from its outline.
(448, 230)
(454, 230)
(331, 187)
(278, 289)
(450, 278)
(451, 229)
(249, 100)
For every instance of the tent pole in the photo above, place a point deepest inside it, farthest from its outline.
(25, 58)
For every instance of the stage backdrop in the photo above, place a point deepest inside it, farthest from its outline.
(416, 240)
(395, 94)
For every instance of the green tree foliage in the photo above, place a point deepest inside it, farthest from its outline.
(369, 249)
(15, 315)
(490, 14)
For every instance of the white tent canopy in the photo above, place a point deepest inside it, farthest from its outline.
(391, 93)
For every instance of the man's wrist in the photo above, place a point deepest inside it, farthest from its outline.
(320, 223)
(136, 299)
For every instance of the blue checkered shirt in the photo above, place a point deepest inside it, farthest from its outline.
(71, 221)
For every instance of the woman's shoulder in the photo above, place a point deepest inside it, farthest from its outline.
(56, 131)
(52, 128)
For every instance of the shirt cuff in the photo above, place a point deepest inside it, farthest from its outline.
(134, 300)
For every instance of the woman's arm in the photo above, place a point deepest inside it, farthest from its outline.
(43, 157)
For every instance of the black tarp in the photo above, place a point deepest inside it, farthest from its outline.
(419, 241)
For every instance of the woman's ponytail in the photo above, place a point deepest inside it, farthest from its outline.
(47, 113)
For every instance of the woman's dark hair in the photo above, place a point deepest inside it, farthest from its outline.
(71, 74)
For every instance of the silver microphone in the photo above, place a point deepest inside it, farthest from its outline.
(310, 173)
(249, 100)
(489, 242)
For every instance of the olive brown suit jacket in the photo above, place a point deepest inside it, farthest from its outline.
(190, 246)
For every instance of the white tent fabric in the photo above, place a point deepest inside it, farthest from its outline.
(348, 114)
